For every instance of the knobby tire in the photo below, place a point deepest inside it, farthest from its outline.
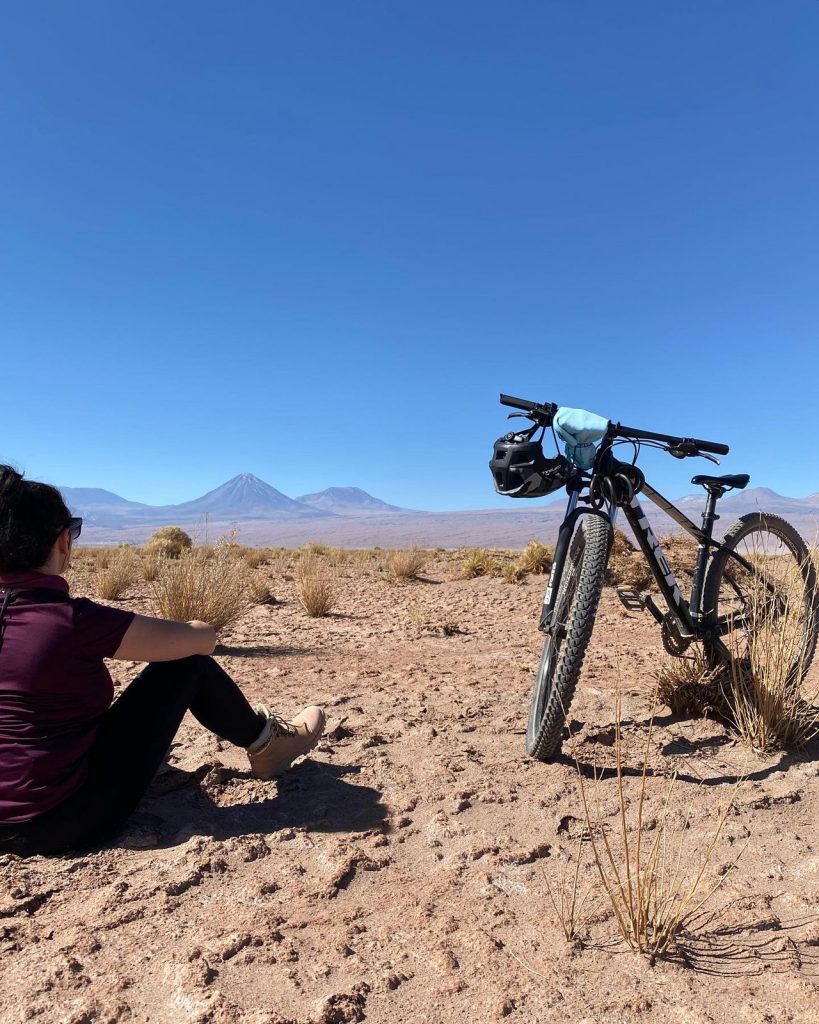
(565, 646)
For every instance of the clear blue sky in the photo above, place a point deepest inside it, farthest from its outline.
(314, 240)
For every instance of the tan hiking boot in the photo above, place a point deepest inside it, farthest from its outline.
(282, 742)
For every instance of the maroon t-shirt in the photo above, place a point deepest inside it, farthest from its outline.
(53, 688)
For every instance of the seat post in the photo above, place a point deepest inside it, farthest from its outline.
(709, 517)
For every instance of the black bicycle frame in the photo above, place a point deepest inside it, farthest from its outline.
(690, 613)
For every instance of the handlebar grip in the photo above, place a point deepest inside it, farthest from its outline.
(710, 446)
(517, 403)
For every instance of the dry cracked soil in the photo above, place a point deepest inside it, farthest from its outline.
(402, 872)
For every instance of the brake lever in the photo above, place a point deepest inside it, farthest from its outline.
(685, 451)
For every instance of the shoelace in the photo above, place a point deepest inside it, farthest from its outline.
(279, 727)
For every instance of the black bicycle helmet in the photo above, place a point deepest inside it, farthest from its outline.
(521, 470)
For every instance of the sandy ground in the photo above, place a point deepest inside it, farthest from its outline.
(400, 874)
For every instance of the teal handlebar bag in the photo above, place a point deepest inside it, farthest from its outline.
(580, 430)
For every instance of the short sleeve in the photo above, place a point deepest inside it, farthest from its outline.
(98, 629)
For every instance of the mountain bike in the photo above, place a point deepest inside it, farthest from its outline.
(758, 576)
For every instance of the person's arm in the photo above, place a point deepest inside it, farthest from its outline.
(148, 639)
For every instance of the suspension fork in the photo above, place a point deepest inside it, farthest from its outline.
(564, 537)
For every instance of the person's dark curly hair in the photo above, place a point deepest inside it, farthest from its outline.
(31, 517)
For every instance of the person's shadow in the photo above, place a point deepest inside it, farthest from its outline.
(314, 794)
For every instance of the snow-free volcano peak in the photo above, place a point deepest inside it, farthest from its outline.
(243, 497)
(347, 501)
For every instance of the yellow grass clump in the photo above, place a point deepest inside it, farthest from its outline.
(121, 571)
(479, 562)
(406, 563)
(536, 557)
(315, 586)
(763, 691)
(212, 590)
(168, 541)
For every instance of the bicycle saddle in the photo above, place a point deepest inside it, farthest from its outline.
(722, 483)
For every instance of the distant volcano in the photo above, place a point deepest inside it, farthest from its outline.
(243, 497)
(347, 501)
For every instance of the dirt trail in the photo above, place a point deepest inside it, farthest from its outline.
(399, 874)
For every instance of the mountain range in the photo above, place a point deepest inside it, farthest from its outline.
(349, 516)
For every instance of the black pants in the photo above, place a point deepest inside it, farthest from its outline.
(132, 740)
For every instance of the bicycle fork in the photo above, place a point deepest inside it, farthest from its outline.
(564, 537)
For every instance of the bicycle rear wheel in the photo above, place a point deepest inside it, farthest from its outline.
(767, 614)
(571, 629)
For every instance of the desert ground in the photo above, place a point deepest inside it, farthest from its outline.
(402, 872)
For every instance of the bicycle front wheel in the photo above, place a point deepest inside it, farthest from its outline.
(766, 609)
(571, 629)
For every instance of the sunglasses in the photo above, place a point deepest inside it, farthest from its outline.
(74, 527)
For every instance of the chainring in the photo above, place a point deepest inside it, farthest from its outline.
(673, 640)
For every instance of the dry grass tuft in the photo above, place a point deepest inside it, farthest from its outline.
(652, 866)
(536, 557)
(406, 563)
(168, 542)
(626, 567)
(512, 573)
(571, 905)
(212, 589)
(315, 587)
(689, 686)
(121, 572)
(763, 689)
(479, 562)
(259, 592)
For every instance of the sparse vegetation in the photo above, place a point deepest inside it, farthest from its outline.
(168, 542)
(574, 908)
(536, 558)
(192, 587)
(406, 563)
(626, 567)
(653, 878)
(763, 687)
(689, 686)
(512, 573)
(121, 572)
(258, 591)
(315, 587)
(479, 562)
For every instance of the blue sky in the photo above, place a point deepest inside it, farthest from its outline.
(314, 240)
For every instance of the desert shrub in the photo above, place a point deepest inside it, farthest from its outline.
(121, 572)
(651, 863)
(680, 551)
(626, 567)
(254, 557)
(763, 692)
(512, 573)
(314, 549)
(406, 563)
(168, 541)
(212, 590)
(536, 557)
(315, 587)
(689, 686)
(479, 562)
(150, 564)
(258, 591)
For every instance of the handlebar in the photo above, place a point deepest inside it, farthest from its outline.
(685, 445)
(543, 414)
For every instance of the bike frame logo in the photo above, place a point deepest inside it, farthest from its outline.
(657, 554)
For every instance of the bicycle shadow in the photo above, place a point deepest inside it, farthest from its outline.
(681, 746)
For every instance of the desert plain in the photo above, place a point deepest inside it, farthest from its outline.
(403, 871)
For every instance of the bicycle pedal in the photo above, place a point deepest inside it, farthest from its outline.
(631, 598)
